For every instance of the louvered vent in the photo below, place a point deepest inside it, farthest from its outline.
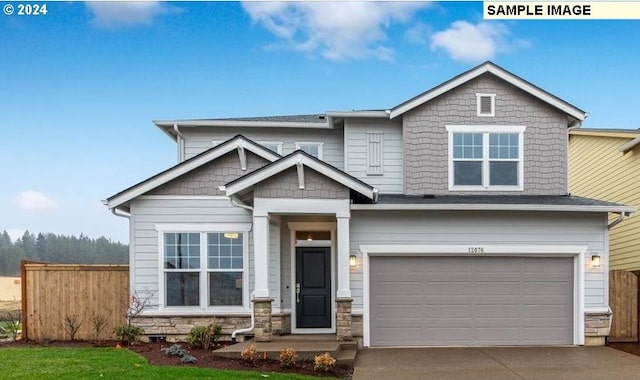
(486, 105)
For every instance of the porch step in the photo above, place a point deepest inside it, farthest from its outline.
(307, 347)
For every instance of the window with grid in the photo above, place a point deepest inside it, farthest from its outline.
(312, 148)
(225, 264)
(182, 269)
(485, 160)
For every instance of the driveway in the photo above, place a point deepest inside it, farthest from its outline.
(496, 363)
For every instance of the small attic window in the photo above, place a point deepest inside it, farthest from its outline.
(486, 104)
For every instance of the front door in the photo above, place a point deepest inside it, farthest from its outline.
(313, 287)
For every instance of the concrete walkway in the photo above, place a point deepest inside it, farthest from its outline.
(508, 363)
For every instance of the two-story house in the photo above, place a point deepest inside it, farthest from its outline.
(445, 220)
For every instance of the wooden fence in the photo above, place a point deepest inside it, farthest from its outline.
(623, 298)
(52, 293)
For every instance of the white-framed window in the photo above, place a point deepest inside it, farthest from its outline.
(203, 267)
(274, 146)
(311, 148)
(375, 153)
(486, 104)
(486, 157)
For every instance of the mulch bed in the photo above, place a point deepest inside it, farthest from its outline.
(205, 358)
(631, 348)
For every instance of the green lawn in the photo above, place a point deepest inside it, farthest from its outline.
(105, 363)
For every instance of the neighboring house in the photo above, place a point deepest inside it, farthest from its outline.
(605, 164)
(445, 220)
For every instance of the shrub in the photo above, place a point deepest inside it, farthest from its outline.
(287, 357)
(127, 334)
(188, 359)
(204, 337)
(324, 362)
(98, 322)
(250, 354)
(174, 350)
(71, 325)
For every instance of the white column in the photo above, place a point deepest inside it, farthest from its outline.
(344, 289)
(261, 256)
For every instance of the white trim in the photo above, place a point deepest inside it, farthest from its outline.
(332, 173)
(278, 145)
(372, 114)
(240, 123)
(185, 197)
(312, 226)
(300, 170)
(479, 97)
(578, 252)
(190, 311)
(189, 165)
(261, 250)
(492, 207)
(486, 160)
(202, 229)
(500, 73)
(320, 146)
(266, 206)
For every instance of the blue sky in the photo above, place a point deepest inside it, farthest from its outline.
(80, 86)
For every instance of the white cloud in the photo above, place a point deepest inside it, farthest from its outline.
(114, 14)
(417, 34)
(334, 30)
(35, 201)
(472, 43)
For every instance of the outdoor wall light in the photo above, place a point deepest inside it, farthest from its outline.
(595, 261)
(353, 261)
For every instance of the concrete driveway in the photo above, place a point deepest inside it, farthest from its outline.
(496, 363)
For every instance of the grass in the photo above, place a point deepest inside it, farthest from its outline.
(106, 363)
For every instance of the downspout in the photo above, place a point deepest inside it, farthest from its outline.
(621, 217)
(237, 203)
(180, 139)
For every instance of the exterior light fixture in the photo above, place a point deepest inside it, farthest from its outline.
(309, 237)
(231, 235)
(595, 261)
(353, 261)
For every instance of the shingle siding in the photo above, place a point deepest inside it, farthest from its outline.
(206, 179)
(285, 185)
(425, 137)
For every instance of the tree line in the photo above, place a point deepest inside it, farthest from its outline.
(58, 249)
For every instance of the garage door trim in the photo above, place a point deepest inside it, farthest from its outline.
(578, 253)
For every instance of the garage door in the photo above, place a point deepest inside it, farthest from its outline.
(471, 301)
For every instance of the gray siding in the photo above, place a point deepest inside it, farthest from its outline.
(285, 185)
(206, 179)
(426, 139)
(149, 212)
(356, 152)
(274, 264)
(481, 227)
(333, 149)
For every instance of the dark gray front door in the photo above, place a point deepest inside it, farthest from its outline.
(313, 287)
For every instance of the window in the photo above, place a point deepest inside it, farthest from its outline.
(375, 153)
(203, 269)
(486, 104)
(312, 148)
(272, 145)
(485, 158)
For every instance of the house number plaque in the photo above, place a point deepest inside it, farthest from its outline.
(476, 249)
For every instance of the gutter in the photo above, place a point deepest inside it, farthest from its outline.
(630, 145)
(180, 141)
(123, 215)
(621, 217)
(490, 207)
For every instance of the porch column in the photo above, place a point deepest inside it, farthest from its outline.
(344, 288)
(261, 255)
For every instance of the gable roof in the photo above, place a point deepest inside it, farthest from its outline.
(489, 67)
(237, 142)
(302, 158)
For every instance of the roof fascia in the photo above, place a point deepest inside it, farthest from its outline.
(190, 165)
(489, 67)
(287, 162)
(603, 133)
(368, 114)
(492, 207)
(239, 123)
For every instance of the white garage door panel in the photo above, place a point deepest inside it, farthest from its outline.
(435, 301)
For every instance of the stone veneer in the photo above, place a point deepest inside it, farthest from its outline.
(343, 319)
(262, 315)
(596, 328)
(176, 329)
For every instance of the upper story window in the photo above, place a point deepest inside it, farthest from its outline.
(486, 104)
(486, 158)
(312, 148)
(272, 145)
(203, 269)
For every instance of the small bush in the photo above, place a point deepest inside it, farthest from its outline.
(98, 322)
(204, 337)
(324, 362)
(287, 357)
(10, 327)
(127, 334)
(250, 354)
(188, 359)
(174, 350)
(71, 325)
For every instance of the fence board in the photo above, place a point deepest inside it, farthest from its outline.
(623, 298)
(53, 292)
